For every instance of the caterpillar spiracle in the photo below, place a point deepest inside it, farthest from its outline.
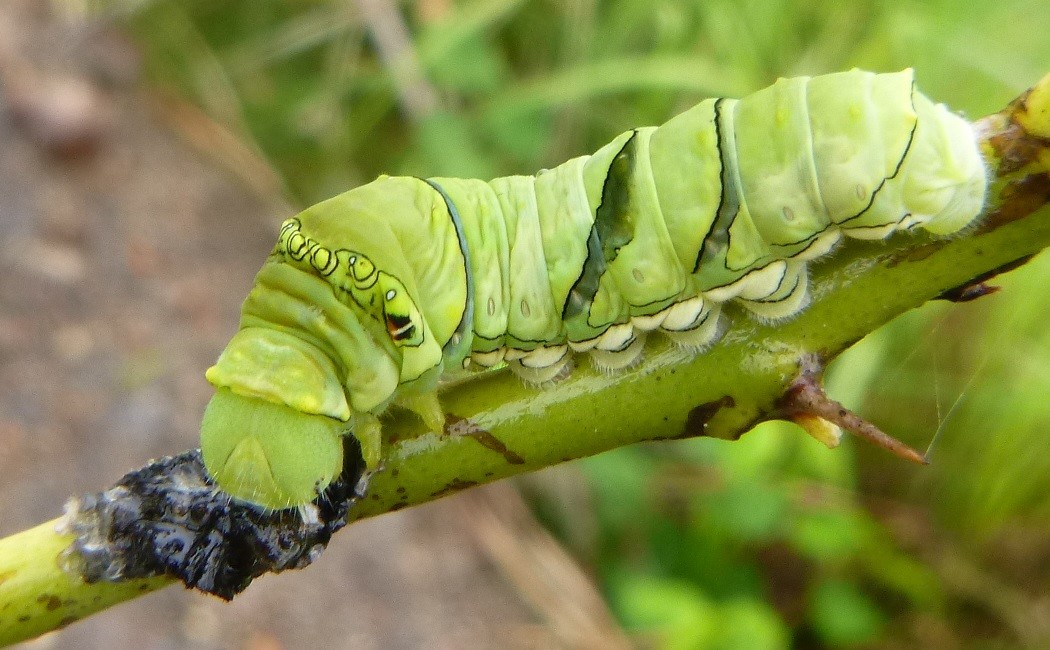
(369, 297)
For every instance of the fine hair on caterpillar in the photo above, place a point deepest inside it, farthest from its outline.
(368, 298)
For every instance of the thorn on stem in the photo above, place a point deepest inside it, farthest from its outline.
(805, 402)
(968, 292)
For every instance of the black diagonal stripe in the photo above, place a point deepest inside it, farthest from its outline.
(717, 235)
(613, 228)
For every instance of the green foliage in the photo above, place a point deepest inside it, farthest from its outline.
(772, 540)
(768, 525)
(675, 615)
(842, 615)
(534, 83)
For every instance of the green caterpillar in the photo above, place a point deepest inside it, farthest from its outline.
(369, 297)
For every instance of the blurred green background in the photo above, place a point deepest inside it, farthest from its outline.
(771, 541)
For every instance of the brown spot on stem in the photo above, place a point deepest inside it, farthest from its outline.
(699, 416)
(1012, 142)
(50, 602)
(454, 486)
(1018, 150)
(67, 620)
(1020, 198)
(5, 576)
(1015, 148)
(457, 426)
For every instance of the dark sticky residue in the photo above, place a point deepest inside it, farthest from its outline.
(169, 519)
(457, 426)
(455, 485)
(699, 416)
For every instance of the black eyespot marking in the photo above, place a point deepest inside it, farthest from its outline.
(400, 327)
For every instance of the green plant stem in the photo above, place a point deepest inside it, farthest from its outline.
(37, 595)
(498, 427)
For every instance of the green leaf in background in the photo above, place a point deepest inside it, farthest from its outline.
(620, 480)
(747, 511)
(749, 625)
(472, 68)
(842, 615)
(832, 536)
(673, 614)
(447, 146)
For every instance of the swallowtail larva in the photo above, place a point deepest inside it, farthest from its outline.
(369, 297)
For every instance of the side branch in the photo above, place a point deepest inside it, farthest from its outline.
(498, 427)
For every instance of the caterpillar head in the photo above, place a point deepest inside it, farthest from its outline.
(351, 306)
(387, 306)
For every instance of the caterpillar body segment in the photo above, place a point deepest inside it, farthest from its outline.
(370, 297)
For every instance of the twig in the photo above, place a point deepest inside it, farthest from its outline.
(806, 401)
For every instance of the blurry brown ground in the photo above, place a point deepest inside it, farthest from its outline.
(124, 255)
